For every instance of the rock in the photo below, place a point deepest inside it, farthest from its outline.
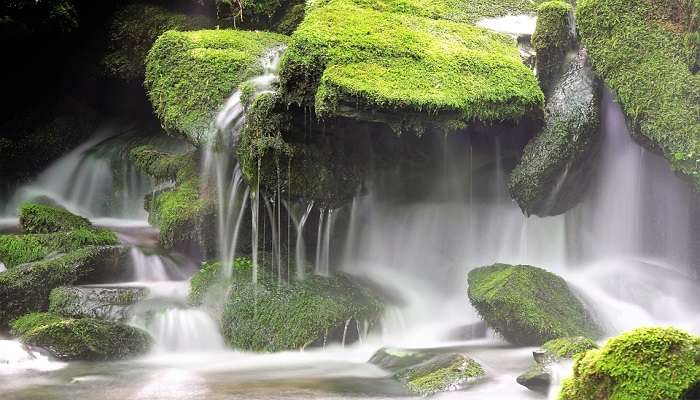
(427, 372)
(632, 45)
(133, 30)
(647, 363)
(539, 376)
(189, 75)
(111, 303)
(528, 305)
(552, 39)
(362, 61)
(38, 218)
(81, 339)
(557, 165)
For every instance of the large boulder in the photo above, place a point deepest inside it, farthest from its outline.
(647, 363)
(557, 164)
(189, 75)
(111, 303)
(528, 305)
(39, 218)
(377, 61)
(539, 376)
(647, 52)
(82, 338)
(427, 372)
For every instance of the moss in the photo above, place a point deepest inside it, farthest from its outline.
(189, 75)
(557, 165)
(38, 218)
(527, 305)
(647, 363)
(26, 288)
(157, 164)
(133, 30)
(567, 347)
(20, 249)
(209, 280)
(552, 38)
(343, 60)
(94, 302)
(645, 51)
(440, 374)
(291, 18)
(81, 339)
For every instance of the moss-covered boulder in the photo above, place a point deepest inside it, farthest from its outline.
(528, 305)
(82, 338)
(407, 71)
(25, 288)
(38, 218)
(426, 371)
(111, 303)
(558, 164)
(133, 30)
(647, 363)
(189, 75)
(552, 39)
(646, 51)
(539, 376)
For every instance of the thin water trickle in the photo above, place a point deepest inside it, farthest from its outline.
(300, 247)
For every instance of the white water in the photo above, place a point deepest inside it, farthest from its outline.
(153, 267)
(16, 358)
(177, 330)
(300, 247)
(510, 24)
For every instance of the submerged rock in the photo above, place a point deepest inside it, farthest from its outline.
(528, 305)
(111, 303)
(557, 164)
(81, 339)
(647, 363)
(539, 377)
(427, 372)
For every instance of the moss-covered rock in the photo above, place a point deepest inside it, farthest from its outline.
(189, 75)
(38, 218)
(403, 70)
(528, 305)
(82, 338)
(539, 376)
(557, 164)
(552, 39)
(427, 371)
(646, 51)
(25, 288)
(112, 303)
(647, 363)
(133, 30)
(281, 16)
(160, 165)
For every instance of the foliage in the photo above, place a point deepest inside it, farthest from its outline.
(567, 347)
(527, 305)
(81, 339)
(189, 75)
(38, 218)
(133, 30)
(647, 363)
(343, 60)
(645, 51)
(552, 38)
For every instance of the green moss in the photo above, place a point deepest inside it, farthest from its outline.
(352, 61)
(26, 288)
(209, 281)
(20, 249)
(157, 164)
(552, 38)
(567, 347)
(647, 363)
(38, 218)
(645, 50)
(81, 339)
(440, 374)
(291, 18)
(189, 75)
(133, 30)
(527, 305)
(95, 302)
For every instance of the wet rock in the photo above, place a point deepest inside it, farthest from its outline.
(528, 305)
(95, 302)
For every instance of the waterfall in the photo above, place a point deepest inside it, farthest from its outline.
(324, 235)
(153, 267)
(300, 247)
(176, 330)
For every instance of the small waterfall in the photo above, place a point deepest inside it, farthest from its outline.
(153, 267)
(182, 330)
(2, 267)
(300, 247)
(323, 241)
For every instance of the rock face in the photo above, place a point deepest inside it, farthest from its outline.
(528, 305)
(378, 61)
(95, 302)
(557, 164)
(539, 377)
(81, 339)
(647, 363)
(189, 75)
(652, 74)
(427, 372)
